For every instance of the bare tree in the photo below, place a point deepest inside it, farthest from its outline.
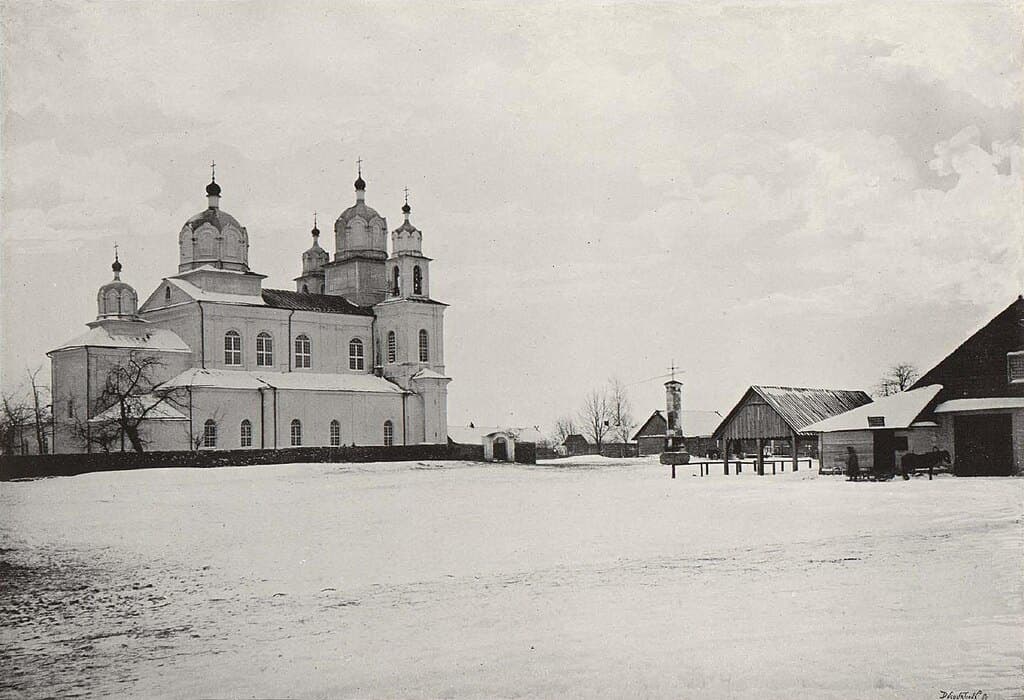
(897, 378)
(40, 418)
(621, 411)
(596, 416)
(15, 416)
(564, 427)
(125, 401)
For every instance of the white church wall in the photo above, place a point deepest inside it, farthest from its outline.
(329, 336)
(361, 416)
(183, 320)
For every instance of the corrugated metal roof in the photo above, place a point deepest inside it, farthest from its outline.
(323, 303)
(801, 407)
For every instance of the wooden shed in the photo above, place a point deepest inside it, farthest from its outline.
(781, 413)
(696, 428)
(879, 433)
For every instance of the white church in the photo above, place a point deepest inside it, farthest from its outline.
(355, 355)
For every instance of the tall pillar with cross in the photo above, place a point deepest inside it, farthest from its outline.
(673, 412)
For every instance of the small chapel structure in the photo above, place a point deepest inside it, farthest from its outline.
(355, 355)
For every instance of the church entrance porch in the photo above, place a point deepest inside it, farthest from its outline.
(499, 447)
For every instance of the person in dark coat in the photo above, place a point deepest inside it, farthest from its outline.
(852, 465)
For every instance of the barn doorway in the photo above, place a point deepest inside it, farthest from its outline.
(984, 445)
(884, 451)
(500, 450)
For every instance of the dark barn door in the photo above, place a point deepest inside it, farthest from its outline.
(885, 451)
(984, 445)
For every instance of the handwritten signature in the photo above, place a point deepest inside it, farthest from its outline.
(962, 695)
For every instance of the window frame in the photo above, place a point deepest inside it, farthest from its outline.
(417, 280)
(334, 431)
(210, 433)
(1011, 356)
(392, 347)
(389, 434)
(424, 345)
(295, 433)
(245, 433)
(356, 355)
(264, 354)
(237, 350)
(304, 356)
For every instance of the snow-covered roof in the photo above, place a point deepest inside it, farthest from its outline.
(146, 338)
(428, 374)
(985, 404)
(161, 411)
(303, 381)
(898, 411)
(472, 435)
(219, 297)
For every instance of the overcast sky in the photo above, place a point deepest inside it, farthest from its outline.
(797, 194)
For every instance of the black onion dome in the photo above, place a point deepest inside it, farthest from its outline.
(315, 231)
(116, 267)
(213, 189)
(360, 183)
(406, 208)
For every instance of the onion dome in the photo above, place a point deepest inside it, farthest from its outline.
(360, 230)
(316, 257)
(213, 237)
(406, 238)
(116, 299)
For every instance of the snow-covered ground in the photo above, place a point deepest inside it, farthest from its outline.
(583, 577)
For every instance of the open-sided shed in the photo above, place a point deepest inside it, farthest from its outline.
(781, 413)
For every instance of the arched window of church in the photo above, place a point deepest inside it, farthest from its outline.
(335, 433)
(233, 348)
(389, 433)
(245, 434)
(210, 433)
(305, 289)
(424, 346)
(417, 280)
(396, 281)
(392, 347)
(355, 354)
(296, 432)
(264, 350)
(71, 408)
(303, 352)
(167, 294)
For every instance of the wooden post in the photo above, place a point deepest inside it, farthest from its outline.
(759, 465)
(773, 467)
(725, 454)
(795, 462)
(673, 470)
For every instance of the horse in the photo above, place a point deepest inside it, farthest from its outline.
(929, 460)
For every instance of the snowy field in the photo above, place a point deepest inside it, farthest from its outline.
(581, 578)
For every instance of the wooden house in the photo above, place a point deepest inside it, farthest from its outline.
(767, 413)
(696, 427)
(980, 409)
(880, 432)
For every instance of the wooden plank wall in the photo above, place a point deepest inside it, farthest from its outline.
(755, 419)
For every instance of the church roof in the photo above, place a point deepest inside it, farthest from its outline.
(303, 381)
(146, 339)
(218, 218)
(155, 411)
(323, 303)
(361, 210)
(218, 297)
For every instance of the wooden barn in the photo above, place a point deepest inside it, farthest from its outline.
(980, 409)
(696, 426)
(767, 413)
(879, 433)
